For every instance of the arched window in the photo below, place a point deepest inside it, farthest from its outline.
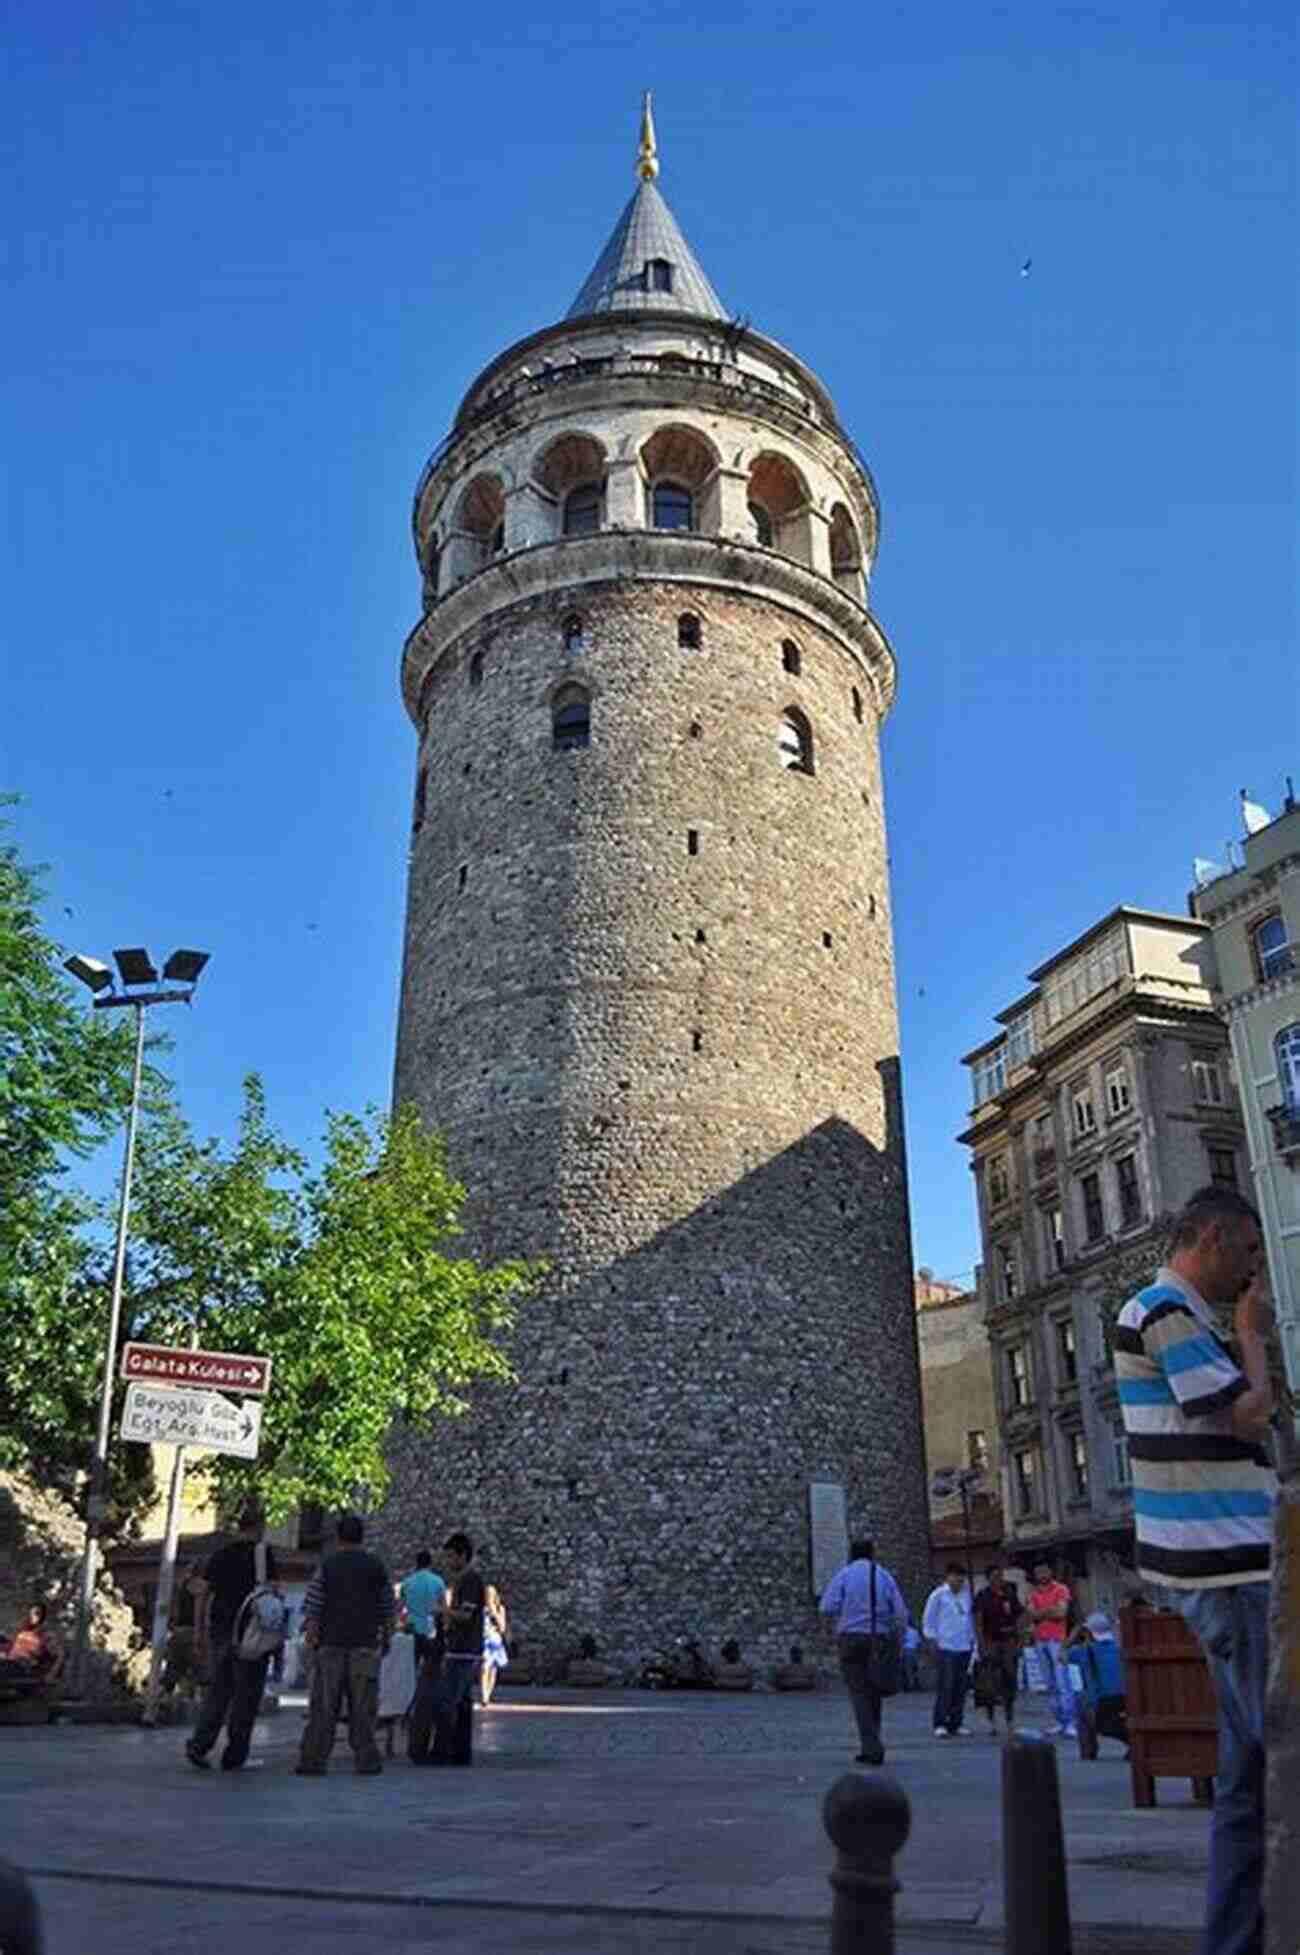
(846, 554)
(476, 671)
(1273, 956)
(779, 506)
(583, 510)
(689, 636)
(572, 636)
(763, 531)
(791, 657)
(671, 506)
(680, 469)
(571, 718)
(794, 742)
(1287, 1048)
(482, 515)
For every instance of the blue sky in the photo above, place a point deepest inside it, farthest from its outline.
(259, 253)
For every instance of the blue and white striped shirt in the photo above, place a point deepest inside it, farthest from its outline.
(1202, 1497)
(848, 1596)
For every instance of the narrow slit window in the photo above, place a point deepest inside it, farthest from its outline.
(688, 632)
(791, 658)
(692, 841)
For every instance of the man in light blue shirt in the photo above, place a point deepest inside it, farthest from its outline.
(865, 1608)
(423, 1592)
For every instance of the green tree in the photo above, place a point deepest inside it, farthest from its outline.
(345, 1279)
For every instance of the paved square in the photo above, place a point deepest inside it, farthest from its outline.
(610, 1821)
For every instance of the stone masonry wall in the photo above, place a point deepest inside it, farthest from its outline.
(672, 1074)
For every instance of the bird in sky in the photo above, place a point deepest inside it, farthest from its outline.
(1026, 268)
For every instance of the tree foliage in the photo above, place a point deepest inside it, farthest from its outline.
(345, 1279)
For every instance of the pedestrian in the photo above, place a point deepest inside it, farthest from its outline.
(443, 1701)
(997, 1613)
(1203, 1493)
(496, 1657)
(347, 1618)
(869, 1616)
(235, 1684)
(422, 1592)
(947, 1624)
(1049, 1608)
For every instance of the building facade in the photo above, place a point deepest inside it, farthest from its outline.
(961, 1420)
(1103, 1102)
(648, 990)
(1254, 916)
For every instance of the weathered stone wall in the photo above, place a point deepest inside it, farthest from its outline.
(673, 1075)
(41, 1544)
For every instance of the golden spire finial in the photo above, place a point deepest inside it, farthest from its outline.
(647, 156)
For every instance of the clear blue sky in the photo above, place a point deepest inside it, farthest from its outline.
(260, 252)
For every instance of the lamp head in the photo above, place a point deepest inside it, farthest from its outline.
(89, 970)
(135, 966)
(183, 966)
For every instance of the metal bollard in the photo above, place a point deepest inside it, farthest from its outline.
(868, 1817)
(20, 1921)
(1035, 1892)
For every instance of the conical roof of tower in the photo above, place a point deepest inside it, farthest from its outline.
(647, 235)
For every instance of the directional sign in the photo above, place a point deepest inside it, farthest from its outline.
(227, 1371)
(164, 1416)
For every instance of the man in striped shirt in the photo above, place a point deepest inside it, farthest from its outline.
(1203, 1494)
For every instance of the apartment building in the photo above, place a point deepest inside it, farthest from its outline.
(1254, 916)
(1103, 1100)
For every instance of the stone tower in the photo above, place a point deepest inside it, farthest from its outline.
(649, 986)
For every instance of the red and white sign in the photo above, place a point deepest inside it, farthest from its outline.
(224, 1371)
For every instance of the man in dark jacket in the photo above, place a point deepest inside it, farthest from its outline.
(235, 1684)
(348, 1622)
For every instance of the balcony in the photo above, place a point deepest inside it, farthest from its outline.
(1286, 1130)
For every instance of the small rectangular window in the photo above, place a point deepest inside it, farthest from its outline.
(1094, 1216)
(977, 1451)
(1020, 1382)
(1130, 1195)
(1025, 1481)
(999, 1182)
(1118, 1099)
(697, 1040)
(1079, 1464)
(1223, 1166)
(1207, 1082)
(1085, 1115)
(1054, 1230)
(1008, 1271)
(1067, 1353)
(460, 880)
(692, 841)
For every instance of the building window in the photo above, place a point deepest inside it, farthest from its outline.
(476, 672)
(1044, 1139)
(1008, 1271)
(1079, 1465)
(791, 658)
(1118, 1099)
(1272, 951)
(1119, 1461)
(583, 509)
(1207, 1082)
(763, 531)
(1130, 1195)
(1024, 1480)
(671, 506)
(1094, 1218)
(1223, 1167)
(1286, 1048)
(1066, 1351)
(433, 568)
(692, 841)
(421, 792)
(497, 543)
(571, 719)
(688, 632)
(658, 275)
(572, 636)
(794, 742)
(999, 1185)
(977, 1451)
(1020, 1041)
(857, 705)
(989, 1075)
(1085, 1114)
(1054, 1230)
(1020, 1384)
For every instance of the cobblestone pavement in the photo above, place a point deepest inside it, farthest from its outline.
(604, 1823)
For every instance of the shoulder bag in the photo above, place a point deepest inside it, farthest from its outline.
(882, 1661)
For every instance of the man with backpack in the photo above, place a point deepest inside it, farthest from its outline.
(229, 1618)
(348, 1621)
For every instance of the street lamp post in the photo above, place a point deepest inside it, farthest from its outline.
(138, 990)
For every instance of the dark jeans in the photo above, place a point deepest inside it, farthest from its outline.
(1006, 1661)
(1231, 1625)
(233, 1698)
(954, 1669)
(423, 1644)
(439, 1695)
(855, 1667)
